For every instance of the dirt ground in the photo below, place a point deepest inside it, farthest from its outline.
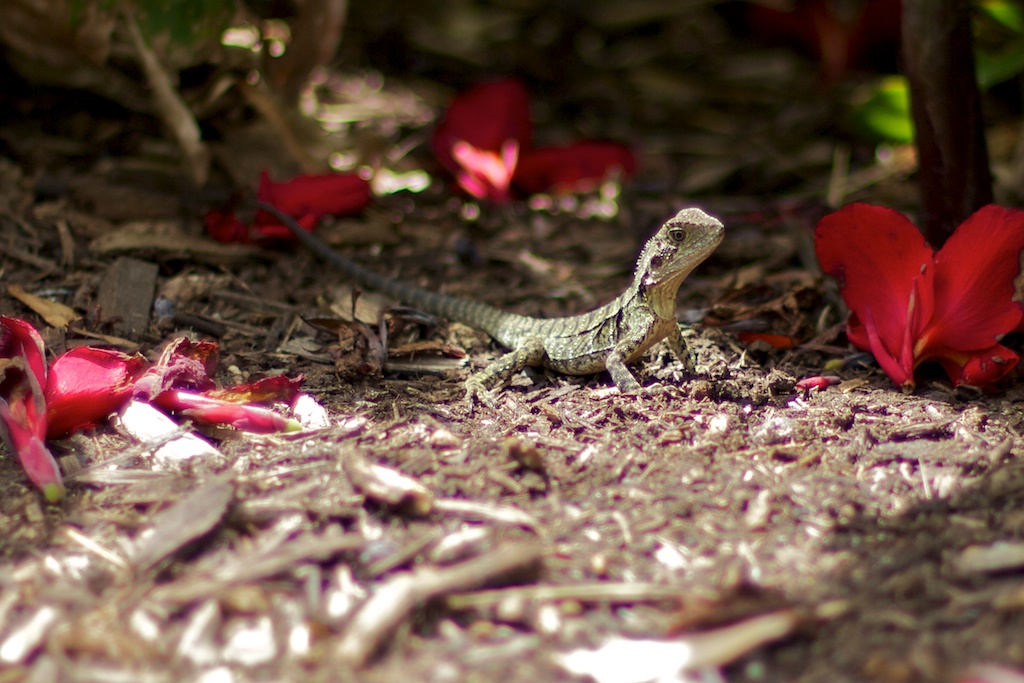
(410, 538)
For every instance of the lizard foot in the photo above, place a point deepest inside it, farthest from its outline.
(477, 394)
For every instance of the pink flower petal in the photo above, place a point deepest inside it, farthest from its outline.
(184, 364)
(206, 410)
(87, 384)
(269, 389)
(485, 174)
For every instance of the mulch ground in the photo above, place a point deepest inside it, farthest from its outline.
(409, 537)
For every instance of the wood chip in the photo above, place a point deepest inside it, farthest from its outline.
(398, 596)
(183, 522)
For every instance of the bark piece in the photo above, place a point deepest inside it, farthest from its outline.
(126, 295)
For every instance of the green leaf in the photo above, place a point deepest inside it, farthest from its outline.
(1006, 13)
(993, 69)
(885, 111)
(185, 23)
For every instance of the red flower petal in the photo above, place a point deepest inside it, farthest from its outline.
(34, 456)
(223, 226)
(574, 168)
(87, 384)
(876, 255)
(329, 194)
(974, 289)
(979, 368)
(486, 117)
(269, 228)
(18, 339)
(22, 406)
(899, 368)
(776, 341)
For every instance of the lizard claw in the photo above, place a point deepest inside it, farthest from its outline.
(477, 394)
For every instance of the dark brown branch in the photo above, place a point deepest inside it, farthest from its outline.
(938, 57)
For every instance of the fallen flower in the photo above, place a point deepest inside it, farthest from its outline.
(22, 405)
(481, 135)
(305, 198)
(180, 382)
(274, 388)
(909, 304)
(87, 384)
(485, 141)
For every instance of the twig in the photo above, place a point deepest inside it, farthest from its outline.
(404, 592)
(172, 109)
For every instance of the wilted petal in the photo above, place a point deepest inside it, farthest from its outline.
(876, 255)
(486, 117)
(974, 288)
(276, 388)
(87, 384)
(206, 410)
(184, 364)
(578, 167)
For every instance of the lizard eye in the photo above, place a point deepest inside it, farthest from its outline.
(677, 235)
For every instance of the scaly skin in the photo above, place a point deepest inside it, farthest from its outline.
(606, 338)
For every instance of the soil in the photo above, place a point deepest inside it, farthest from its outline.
(887, 525)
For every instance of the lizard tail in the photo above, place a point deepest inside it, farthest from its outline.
(499, 324)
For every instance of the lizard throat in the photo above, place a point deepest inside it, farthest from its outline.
(661, 297)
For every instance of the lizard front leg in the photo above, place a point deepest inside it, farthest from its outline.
(681, 350)
(617, 364)
(530, 352)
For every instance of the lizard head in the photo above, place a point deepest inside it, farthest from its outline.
(681, 244)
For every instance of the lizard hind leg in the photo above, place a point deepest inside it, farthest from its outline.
(529, 352)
